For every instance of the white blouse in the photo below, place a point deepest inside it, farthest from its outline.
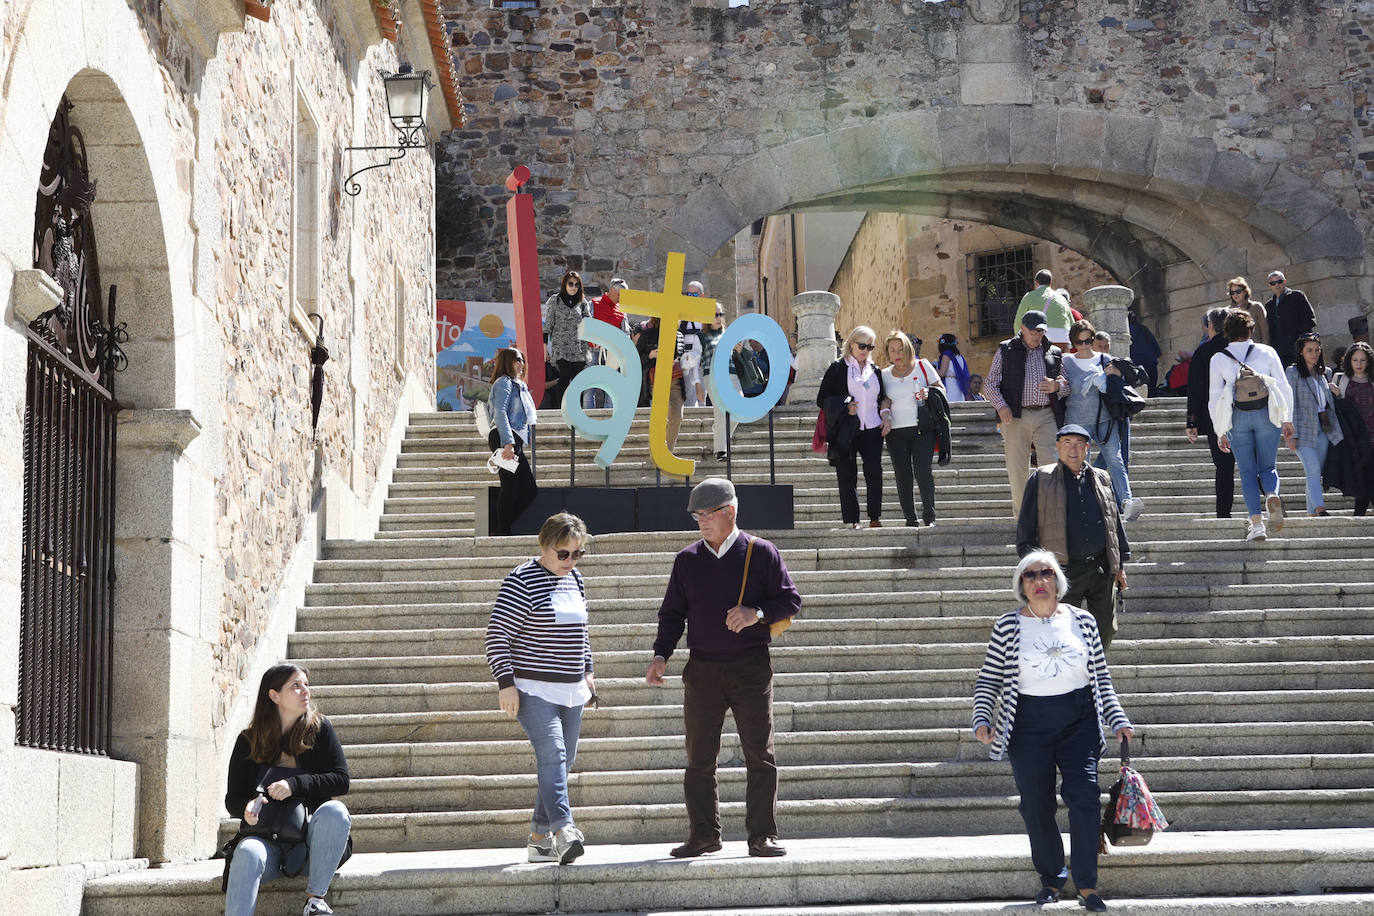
(903, 392)
(1054, 655)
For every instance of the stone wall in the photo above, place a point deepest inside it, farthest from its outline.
(872, 280)
(1175, 143)
(192, 131)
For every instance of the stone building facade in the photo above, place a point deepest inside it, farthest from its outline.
(1174, 144)
(216, 142)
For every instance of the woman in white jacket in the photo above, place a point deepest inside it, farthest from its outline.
(1249, 427)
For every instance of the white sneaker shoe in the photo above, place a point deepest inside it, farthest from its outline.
(567, 844)
(316, 906)
(1273, 510)
(1134, 506)
(1256, 532)
(541, 850)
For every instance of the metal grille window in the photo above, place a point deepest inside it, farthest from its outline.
(996, 282)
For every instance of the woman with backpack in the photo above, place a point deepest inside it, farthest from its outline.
(1314, 415)
(1251, 405)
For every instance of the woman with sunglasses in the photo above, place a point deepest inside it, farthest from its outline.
(1239, 296)
(1087, 370)
(512, 413)
(563, 314)
(1044, 698)
(540, 654)
(856, 422)
(1314, 416)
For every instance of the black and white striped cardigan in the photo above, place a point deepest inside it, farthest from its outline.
(524, 638)
(1000, 677)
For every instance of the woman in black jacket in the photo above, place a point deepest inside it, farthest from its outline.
(288, 751)
(851, 394)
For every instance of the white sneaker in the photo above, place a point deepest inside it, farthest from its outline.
(1256, 532)
(541, 850)
(316, 906)
(567, 844)
(1134, 506)
(1273, 510)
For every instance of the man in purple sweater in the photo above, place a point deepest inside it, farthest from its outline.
(728, 665)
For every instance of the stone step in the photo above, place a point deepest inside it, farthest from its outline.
(859, 685)
(862, 870)
(942, 779)
(856, 631)
(952, 817)
(792, 658)
(665, 720)
(852, 746)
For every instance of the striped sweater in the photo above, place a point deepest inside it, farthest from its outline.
(999, 679)
(538, 627)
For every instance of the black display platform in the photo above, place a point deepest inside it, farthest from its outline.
(607, 510)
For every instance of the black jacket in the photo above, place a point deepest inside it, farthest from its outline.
(326, 773)
(1289, 317)
(935, 419)
(1199, 383)
(1348, 467)
(832, 398)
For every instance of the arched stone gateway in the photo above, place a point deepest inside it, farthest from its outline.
(1176, 151)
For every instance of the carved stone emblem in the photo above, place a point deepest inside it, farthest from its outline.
(994, 11)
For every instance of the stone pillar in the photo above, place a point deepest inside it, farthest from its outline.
(1106, 309)
(815, 311)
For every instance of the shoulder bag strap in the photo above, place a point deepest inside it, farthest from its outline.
(748, 553)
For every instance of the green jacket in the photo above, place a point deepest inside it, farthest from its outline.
(1044, 299)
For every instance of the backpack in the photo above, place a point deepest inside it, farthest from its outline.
(1251, 391)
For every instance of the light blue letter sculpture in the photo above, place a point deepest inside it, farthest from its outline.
(766, 331)
(623, 387)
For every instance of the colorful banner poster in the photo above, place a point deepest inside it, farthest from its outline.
(468, 336)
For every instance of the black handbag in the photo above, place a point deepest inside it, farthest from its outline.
(284, 821)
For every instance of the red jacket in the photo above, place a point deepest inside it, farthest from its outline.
(604, 309)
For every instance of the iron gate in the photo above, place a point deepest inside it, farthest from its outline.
(67, 574)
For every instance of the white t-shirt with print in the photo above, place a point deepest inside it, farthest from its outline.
(1054, 656)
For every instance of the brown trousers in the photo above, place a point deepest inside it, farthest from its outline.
(744, 686)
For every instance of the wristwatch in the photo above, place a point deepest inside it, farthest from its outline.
(759, 611)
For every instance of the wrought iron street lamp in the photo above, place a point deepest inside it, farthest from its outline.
(407, 98)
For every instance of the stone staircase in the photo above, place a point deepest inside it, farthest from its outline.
(1247, 669)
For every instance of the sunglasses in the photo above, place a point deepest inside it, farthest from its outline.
(1031, 575)
(1082, 341)
(564, 554)
(1275, 282)
(864, 346)
(1236, 292)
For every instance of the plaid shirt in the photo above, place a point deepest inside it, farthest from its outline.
(1031, 395)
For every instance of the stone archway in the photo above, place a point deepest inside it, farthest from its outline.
(1119, 189)
(161, 650)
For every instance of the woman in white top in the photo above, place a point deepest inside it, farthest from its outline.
(1250, 429)
(852, 392)
(953, 369)
(905, 383)
(1044, 698)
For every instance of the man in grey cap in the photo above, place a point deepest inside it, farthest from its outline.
(1027, 387)
(1069, 509)
(728, 666)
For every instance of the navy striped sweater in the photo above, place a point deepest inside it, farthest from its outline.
(538, 627)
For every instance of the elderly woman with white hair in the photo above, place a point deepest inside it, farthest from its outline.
(856, 422)
(1044, 698)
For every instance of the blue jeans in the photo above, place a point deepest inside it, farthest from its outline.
(1313, 456)
(553, 731)
(1255, 443)
(1107, 437)
(256, 862)
(1059, 732)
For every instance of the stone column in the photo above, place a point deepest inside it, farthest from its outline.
(1106, 309)
(815, 312)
